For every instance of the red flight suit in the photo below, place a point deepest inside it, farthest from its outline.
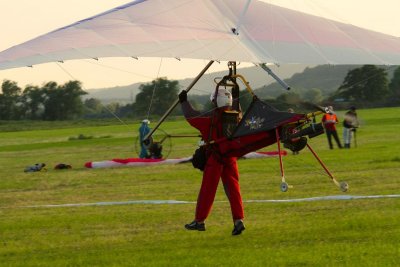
(217, 166)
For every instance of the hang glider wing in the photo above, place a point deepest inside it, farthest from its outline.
(202, 29)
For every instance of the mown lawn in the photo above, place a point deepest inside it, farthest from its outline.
(358, 232)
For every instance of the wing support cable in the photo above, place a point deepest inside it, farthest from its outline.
(154, 89)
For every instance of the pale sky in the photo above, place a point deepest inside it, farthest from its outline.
(22, 20)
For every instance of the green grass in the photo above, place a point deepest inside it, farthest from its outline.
(364, 232)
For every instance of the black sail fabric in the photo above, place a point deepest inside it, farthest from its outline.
(260, 117)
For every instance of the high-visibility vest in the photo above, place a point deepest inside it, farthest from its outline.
(330, 121)
(330, 118)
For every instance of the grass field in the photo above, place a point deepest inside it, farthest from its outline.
(358, 232)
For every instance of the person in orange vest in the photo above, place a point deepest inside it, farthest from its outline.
(329, 120)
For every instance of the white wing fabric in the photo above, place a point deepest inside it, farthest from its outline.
(202, 29)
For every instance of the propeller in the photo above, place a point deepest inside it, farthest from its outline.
(310, 105)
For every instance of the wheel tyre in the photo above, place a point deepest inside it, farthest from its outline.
(344, 186)
(284, 187)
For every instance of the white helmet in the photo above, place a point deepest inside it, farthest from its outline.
(146, 121)
(224, 98)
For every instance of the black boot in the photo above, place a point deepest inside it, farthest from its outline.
(196, 226)
(238, 227)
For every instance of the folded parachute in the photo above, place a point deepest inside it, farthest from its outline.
(137, 162)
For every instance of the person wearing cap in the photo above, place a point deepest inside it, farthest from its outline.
(329, 120)
(144, 130)
(217, 166)
(350, 124)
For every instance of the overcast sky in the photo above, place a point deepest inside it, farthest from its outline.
(22, 20)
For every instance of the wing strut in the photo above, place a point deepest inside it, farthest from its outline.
(279, 80)
(147, 137)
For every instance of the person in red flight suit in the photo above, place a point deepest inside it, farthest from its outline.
(329, 120)
(217, 166)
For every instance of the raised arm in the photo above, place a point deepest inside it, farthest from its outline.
(187, 108)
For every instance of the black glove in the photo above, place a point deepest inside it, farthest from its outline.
(183, 96)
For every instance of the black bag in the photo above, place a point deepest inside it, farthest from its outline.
(199, 158)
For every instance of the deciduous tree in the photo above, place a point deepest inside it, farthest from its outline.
(32, 101)
(394, 86)
(156, 97)
(9, 101)
(366, 84)
(62, 102)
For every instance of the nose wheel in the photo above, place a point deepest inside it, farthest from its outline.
(284, 187)
(344, 186)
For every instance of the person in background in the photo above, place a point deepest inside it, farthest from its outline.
(350, 124)
(144, 130)
(217, 165)
(329, 120)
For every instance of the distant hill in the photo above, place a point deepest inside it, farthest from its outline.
(121, 94)
(254, 75)
(327, 78)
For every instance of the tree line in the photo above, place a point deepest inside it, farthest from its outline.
(367, 86)
(64, 102)
(49, 102)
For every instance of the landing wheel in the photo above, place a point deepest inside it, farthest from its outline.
(284, 187)
(158, 136)
(344, 186)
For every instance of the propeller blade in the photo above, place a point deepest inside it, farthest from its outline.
(315, 106)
